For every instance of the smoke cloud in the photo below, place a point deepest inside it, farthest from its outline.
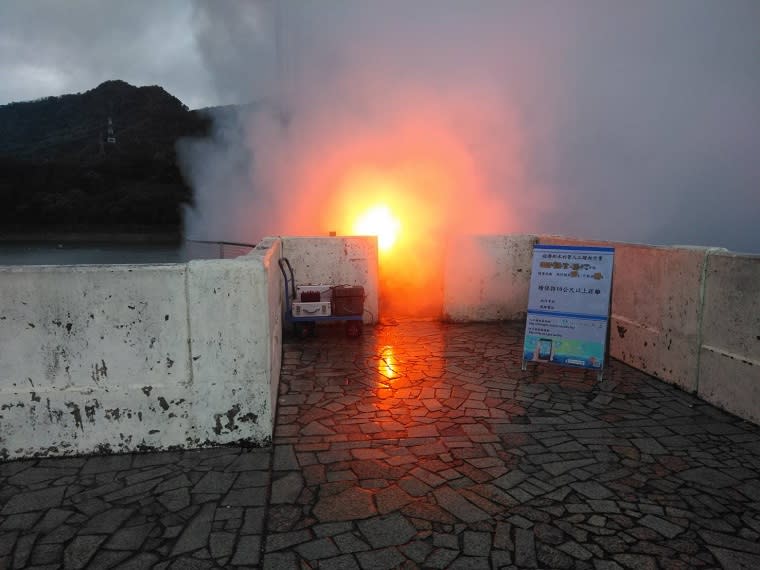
(604, 120)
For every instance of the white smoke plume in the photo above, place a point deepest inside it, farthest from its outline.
(631, 121)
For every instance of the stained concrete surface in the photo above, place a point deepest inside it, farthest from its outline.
(420, 444)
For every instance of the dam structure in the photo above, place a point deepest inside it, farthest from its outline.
(161, 415)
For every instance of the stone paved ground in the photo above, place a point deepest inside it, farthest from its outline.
(417, 445)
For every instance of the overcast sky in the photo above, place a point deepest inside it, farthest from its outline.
(632, 120)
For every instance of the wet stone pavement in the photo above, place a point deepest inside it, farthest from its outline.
(420, 445)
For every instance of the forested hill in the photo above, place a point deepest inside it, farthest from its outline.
(61, 168)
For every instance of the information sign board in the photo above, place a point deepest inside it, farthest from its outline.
(568, 305)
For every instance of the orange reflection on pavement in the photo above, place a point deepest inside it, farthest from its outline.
(387, 365)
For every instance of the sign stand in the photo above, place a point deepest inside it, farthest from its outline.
(569, 307)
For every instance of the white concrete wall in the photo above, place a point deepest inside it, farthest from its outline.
(343, 260)
(122, 358)
(486, 278)
(687, 315)
(729, 362)
(656, 304)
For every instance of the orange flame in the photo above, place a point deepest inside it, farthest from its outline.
(379, 221)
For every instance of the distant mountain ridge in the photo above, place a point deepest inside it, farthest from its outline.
(73, 126)
(58, 168)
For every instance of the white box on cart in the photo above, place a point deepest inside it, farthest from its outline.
(314, 309)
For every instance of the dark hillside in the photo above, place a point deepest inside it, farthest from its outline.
(61, 168)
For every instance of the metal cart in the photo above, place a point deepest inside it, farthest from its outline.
(305, 326)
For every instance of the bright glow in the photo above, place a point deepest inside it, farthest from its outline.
(379, 221)
(387, 365)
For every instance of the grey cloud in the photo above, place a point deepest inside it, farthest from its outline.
(604, 119)
(49, 48)
(635, 120)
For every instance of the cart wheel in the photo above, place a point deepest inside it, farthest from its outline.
(302, 330)
(312, 328)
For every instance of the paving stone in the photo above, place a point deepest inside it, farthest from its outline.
(575, 550)
(351, 504)
(606, 565)
(48, 554)
(287, 488)
(20, 522)
(34, 501)
(187, 563)
(247, 551)
(636, 561)
(729, 541)
(560, 467)
(591, 489)
(105, 463)
(284, 458)
(733, 559)
(250, 461)
(349, 542)
(140, 562)
(665, 528)
(392, 498)
(458, 506)
(441, 558)
(317, 549)
(383, 559)
(525, 549)
(559, 472)
(52, 519)
(214, 482)
(130, 538)
(281, 561)
(221, 544)
(649, 445)
(283, 540)
(510, 479)
(414, 486)
(248, 479)
(253, 497)
(107, 558)
(23, 550)
(332, 529)
(476, 543)
(196, 533)
(282, 518)
(470, 563)
(426, 511)
(79, 552)
(707, 477)
(107, 521)
(417, 550)
(445, 540)
(390, 530)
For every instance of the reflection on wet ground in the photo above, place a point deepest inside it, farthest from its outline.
(416, 445)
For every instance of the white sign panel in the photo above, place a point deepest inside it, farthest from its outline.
(568, 305)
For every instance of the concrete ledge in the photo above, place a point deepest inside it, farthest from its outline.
(487, 278)
(125, 358)
(729, 363)
(656, 303)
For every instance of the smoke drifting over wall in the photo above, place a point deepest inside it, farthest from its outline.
(627, 121)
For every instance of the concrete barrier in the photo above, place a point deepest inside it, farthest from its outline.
(123, 358)
(350, 260)
(486, 278)
(729, 359)
(656, 304)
